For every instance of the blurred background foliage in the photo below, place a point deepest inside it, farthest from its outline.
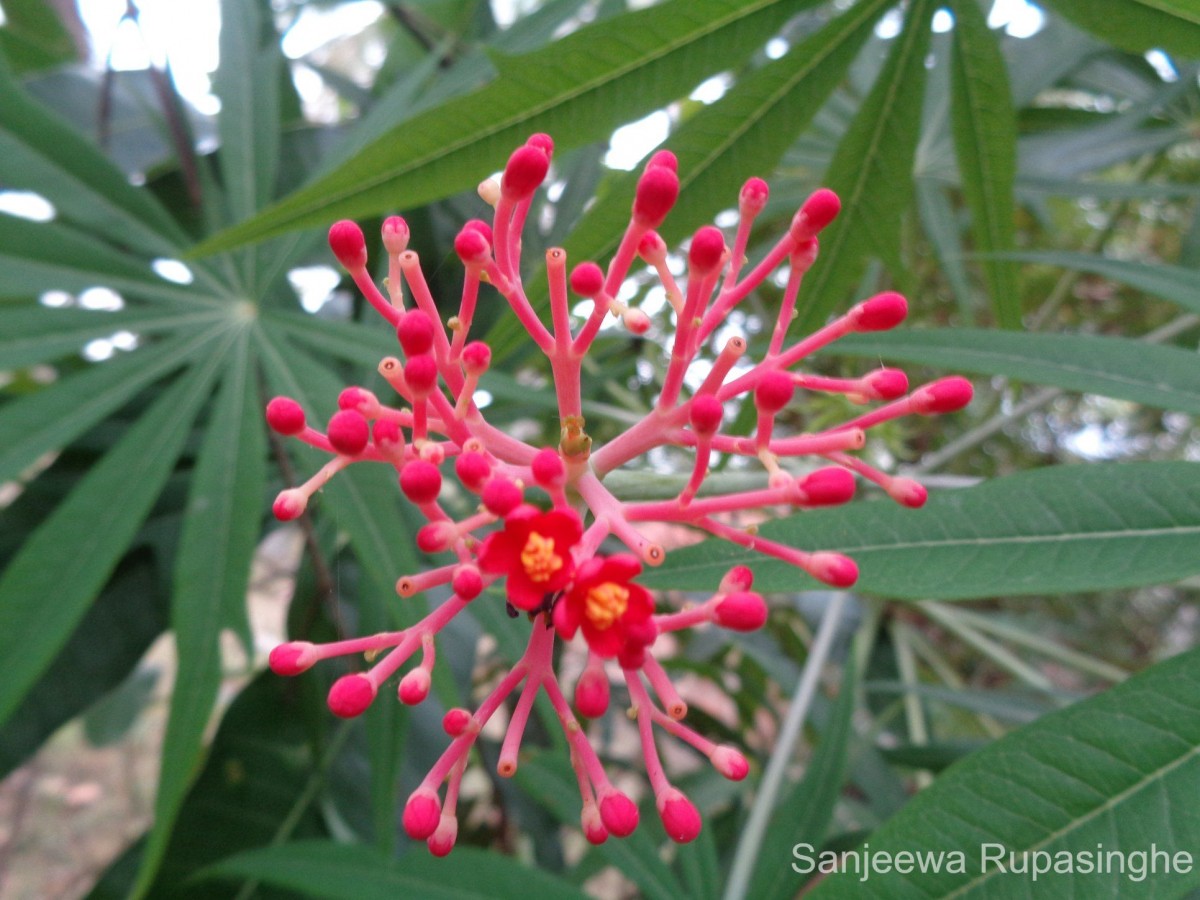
(1028, 175)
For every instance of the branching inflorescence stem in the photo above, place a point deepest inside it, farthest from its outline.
(549, 556)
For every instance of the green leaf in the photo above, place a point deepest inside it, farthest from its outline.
(39, 152)
(805, 812)
(1138, 25)
(33, 37)
(744, 133)
(1174, 283)
(578, 88)
(35, 334)
(212, 571)
(1167, 377)
(1113, 773)
(872, 172)
(248, 85)
(353, 872)
(267, 765)
(985, 141)
(1054, 530)
(47, 588)
(104, 649)
(54, 416)
(38, 257)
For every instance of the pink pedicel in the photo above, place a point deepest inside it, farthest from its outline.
(542, 514)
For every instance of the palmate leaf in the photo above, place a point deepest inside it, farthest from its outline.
(1056, 530)
(985, 141)
(326, 869)
(872, 172)
(38, 257)
(39, 152)
(744, 133)
(1118, 771)
(1138, 25)
(63, 564)
(30, 335)
(578, 88)
(212, 570)
(54, 416)
(1166, 377)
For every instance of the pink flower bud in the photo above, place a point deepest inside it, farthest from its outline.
(774, 391)
(818, 210)
(587, 280)
(593, 824)
(652, 248)
(548, 469)
(285, 416)
(738, 578)
(349, 432)
(348, 245)
(663, 159)
(455, 721)
(467, 582)
(543, 142)
(359, 399)
(943, 396)
(436, 537)
(422, 813)
(705, 414)
(292, 658)
(421, 481)
(657, 191)
(707, 250)
(908, 492)
(421, 374)
(741, 611)
(753, 197)
(591, 693)
(636, 321)
(827, 487)
(886, 384)
(395, 235)
(476, 357)
(472, 247)
(389, 439)
(415, 332)
(881, 312)
(414, 687)
(351, 695)
(290, 504)
(501, 496)
(729, 762)
(526, 170)
(441, 842)
(472, 469)
(618, 813)
(681, 820)
(482, 227)
(834, 569)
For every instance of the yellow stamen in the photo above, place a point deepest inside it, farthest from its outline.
(606, 603)
(539, 559)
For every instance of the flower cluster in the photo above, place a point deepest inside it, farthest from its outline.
(552, 559)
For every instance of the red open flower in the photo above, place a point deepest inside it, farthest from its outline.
(612, 611)
(534, 551)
